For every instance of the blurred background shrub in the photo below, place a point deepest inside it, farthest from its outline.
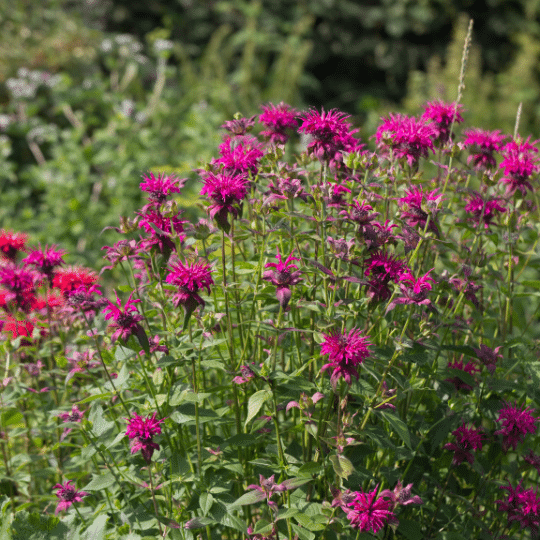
(93, 93)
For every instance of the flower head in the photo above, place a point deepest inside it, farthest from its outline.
(11, 243)
(467, 439)
(519, 163)
(483, 210)
(74, 416)
(369, 512)
(45, 260)
(482, 145)
(407, 137)
(72, 277)
(345, 352)
(189, 278)
(488, 357)
(68, 495)
(278, 119)
(141, 431)
(283, 277)
(20, 284)
(239, 126)
(516, 423)
(523, 506)
(240, 154)
(401, 495)
(469, 367)
(126, 319)
(160, 187)
(414, 213)
(382, 268)
(442, 115)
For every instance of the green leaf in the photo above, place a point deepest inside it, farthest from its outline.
(410, 529)
(104, 397)
(100, 482)
(310, 468)
(251, 497)
(96, 531)
(399, 426)
(342, 466)
(205, 502)
(255, 403)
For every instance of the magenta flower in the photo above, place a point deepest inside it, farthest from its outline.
(161, 229)
(189, 278)
(333, 194)
(68, 495)
(407, 137)
(246, 375)
(369, 512)
(278, 119)
(240, 154)
(401, 495)
(534, 460)
(382, 268)
(482, 145)
(126, 319)
(141, 431)
(488, 357)
(267, 488)
(345, 352)
(330, 133)
(523, 506)
(239, 126)
(226, 192)
(442, 115)
(20, 284)
(519, 163)
(283, 277)
(467, 439)
(160, 188)
(412, 211)
(74, 416)
(483, 210)
(469, 368)
(414, 290)
(45, 260)
(11, 243)
(516, 423)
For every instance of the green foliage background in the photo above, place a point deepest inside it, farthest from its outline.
(140, 86)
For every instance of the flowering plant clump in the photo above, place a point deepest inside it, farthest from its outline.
(325, 318)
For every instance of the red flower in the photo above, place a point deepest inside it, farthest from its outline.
(71, 278)
(11, 243)
(345, 352)
(68, 495)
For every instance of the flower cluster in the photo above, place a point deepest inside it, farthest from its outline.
(516, 423)
(68, 495)
(125, 319)
(522, 506)
(283, 277)
(141, 432)
(467, 439)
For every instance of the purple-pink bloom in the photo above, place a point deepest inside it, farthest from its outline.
(382, 268)
(534, 460)
(523, 506)
(240, 154)
(283, 277)
(20, 284)
(45, 260)
(126, 319)
(401, 495)
(407, 137)
(68, 495)
(160, 187)
(189, 278)
(519, 163)
(442, 115)
(488, 357)
(278, 119)
(267, 488)
(482, 145)
(469, 367)
(467, 439)
(483, 210)
(516, 423)
(74, 416)
(226, 192)
(345, 351)
(414, 290)
(141, 430)
(412, 211)
(246, 375)
(369, 512)
(239, 126)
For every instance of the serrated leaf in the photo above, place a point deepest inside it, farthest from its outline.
(342, 466)
(255, 403)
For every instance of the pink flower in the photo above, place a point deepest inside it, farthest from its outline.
(246, 375)
(331, 134)
(141, 431)
(126, 323)
(45, 260)
(467, 439)
(516, 422)
(68, 495)
(519, 163)
(278, 119)
(161, 229)
(345, 352)
(74, 416)
(11, 243)
(442, 115)
(226, 192)
(20, 284)
(283, 277)
(189, 278)
(482, 144)
(414, 290)
(523, 506)
(369, 512)
(401, 495)
(413, 212)
(160, 188)
(483, 210)
(239, 126)
(469, 368)
(407, 137)
(488, 357)
(382, 269)
(240, 154)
